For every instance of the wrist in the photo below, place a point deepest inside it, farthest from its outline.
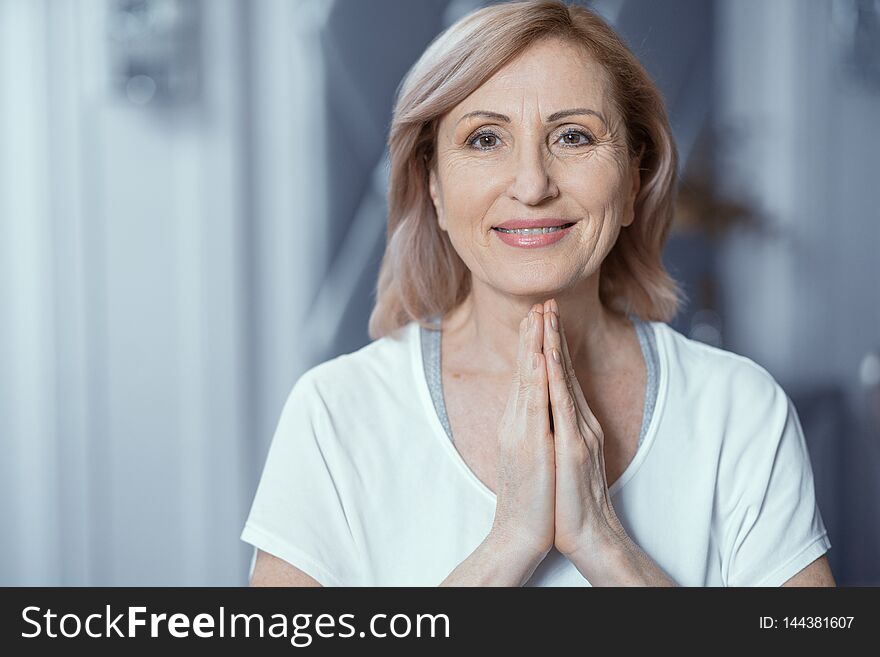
(514, 551)
(599, 553)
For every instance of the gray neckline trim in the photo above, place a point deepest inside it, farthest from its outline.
(430, 339)
(431, 357)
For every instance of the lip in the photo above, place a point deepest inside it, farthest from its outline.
(533, 241)
(546, 222)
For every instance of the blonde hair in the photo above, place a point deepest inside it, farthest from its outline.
(421, 274)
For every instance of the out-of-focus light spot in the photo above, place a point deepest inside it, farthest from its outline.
(869, 370)
(140, 89)
(706, 333)
(706, 327)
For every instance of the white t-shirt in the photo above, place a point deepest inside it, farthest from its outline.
(362, 486)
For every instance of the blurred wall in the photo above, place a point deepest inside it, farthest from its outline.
(799, 144)
(153, 281)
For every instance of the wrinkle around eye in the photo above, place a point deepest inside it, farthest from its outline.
(588, 138)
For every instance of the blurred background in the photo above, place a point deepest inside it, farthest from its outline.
(192, 213)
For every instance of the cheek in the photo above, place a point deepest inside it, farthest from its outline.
(596, 185)
(469, 202)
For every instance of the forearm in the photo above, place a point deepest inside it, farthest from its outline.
(495, 562)
(618, 561)
(632, 567)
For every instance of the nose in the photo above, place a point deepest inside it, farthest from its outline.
(532, 182)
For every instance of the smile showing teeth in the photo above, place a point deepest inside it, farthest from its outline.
(532, 231)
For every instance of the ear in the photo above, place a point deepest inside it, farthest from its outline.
(433, 189)
(636, 178)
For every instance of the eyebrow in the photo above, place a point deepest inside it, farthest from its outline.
(578, 111)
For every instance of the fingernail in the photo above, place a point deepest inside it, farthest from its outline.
(553, 322)
(531, 319)
(556, 355)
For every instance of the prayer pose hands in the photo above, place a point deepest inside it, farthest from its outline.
(584, 516)
(552, 489)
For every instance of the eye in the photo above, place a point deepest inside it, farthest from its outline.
(486, 140)
(483, 135)
(572, 132)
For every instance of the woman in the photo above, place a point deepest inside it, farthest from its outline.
(568, 436)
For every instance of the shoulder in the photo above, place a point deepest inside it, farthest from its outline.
(707, 371)
(352, 407)
(351, 379)
(727, 397)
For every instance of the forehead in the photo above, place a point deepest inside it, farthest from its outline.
(548, 76)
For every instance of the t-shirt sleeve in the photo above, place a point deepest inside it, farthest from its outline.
(300, 512)
(774, 528)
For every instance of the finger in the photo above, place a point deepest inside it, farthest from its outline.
(526, 335)
(553, 340)
(567, 363)
(546, 309)
(536, 345)
(538, 403)
(583, 407)
(566, 427)
(528, 330)
(535, 396)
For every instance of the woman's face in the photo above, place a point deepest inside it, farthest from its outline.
(526, 163)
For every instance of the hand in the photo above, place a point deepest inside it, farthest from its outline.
(524, 511)
(584, 518)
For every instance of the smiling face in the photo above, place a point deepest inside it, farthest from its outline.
(529, 159)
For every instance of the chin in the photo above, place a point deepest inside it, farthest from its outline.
(534, 286)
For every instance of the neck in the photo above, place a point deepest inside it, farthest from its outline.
(486, 326)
